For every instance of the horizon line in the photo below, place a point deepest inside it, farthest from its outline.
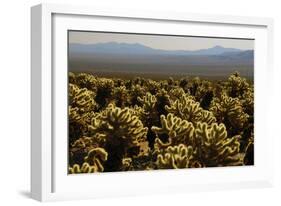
(136, 43)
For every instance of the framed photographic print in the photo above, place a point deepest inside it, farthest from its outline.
(134, 102)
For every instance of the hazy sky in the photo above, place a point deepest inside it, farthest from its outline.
(159, 42)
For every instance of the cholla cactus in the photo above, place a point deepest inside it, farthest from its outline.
(135, 92)
(163, 100)
(81, 103)
(247, 100)
(188, 109)
(148, 102)
(229, 111)
(104, 91)
(152, 86)
(77, 125)
(175, 157)
(127, 164)
(84, 80)
(95, 157)
(93, 162)
(119, 123)
(85, 168)
(143, 124)
(83, 99)
(122, 131)
(177, 93)
(177, 130)
(120, 96)
(183, 83)
(238, 85)
(214, 148)
(71, 78)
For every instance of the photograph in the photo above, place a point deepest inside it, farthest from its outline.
(141, 102)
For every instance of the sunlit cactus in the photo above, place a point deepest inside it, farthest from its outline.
(175, 157)
(237, 85)
(186, 108)
(174, 130)
(96, 157)
(177, 93)
(214, 148)
(122, 130)
(135, 124)
(152, 86)
(83, 98)
(229, 111)
(85, 168)
(247, 100)
(93, 162)
(148, 101)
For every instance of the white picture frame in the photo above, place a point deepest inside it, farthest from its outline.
(49, 179)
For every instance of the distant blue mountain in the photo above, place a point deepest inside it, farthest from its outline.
(140, 59)
(111, 47)
(131, 49)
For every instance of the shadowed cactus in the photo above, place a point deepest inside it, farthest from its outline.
(104, 91)
(148, 102)
(120, 96)
(135, 92)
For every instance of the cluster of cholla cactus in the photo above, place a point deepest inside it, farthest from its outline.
(142, 124)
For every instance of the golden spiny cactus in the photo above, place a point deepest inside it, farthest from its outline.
(122, 131)
(95, 157)
(175, 157)
(214, 148)
(148, 101)
(85, 168)
(141, 124)
(229, 111)
(115, 122)
(84, 80)
(237, 85)
(93, 162)
(83, 99)
(186, 108)
(177, 130)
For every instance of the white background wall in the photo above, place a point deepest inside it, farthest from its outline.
(15, 100)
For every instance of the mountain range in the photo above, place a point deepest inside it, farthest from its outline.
(125, 48)
(112, 57)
